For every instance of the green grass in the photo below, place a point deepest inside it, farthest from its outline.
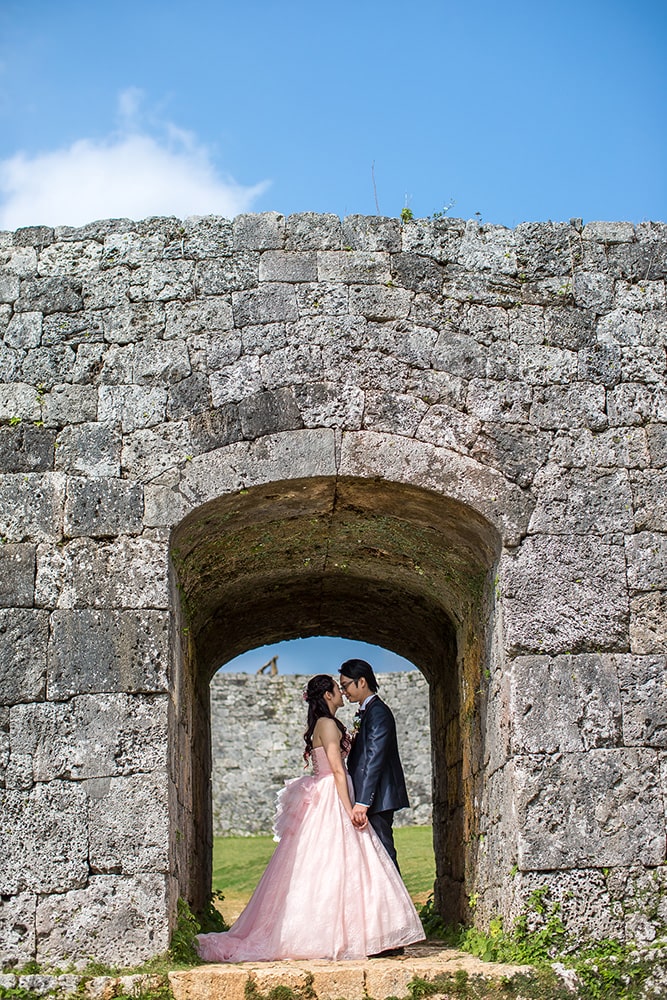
(238, 863)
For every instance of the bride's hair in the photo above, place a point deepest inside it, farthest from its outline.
(318, 708)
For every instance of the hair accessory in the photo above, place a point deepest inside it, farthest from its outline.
(305, 694)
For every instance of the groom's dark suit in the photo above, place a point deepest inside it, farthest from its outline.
(375, 768)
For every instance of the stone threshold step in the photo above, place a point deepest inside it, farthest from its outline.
(377, 978)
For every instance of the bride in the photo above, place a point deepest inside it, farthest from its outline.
(330, 891)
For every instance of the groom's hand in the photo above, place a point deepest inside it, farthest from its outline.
(359, 817)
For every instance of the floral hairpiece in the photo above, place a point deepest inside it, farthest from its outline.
(305, 694)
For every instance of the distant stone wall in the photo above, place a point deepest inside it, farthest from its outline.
(257, 725)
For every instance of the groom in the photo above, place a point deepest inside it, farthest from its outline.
(373, 762)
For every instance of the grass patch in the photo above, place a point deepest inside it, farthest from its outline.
(238, 864)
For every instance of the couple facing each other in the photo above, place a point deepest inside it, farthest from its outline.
(332, 889)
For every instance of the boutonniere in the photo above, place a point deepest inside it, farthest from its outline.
(356, 725)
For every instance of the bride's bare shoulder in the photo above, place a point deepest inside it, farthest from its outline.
(325, 729)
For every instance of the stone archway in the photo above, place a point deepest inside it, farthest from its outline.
(389, 563)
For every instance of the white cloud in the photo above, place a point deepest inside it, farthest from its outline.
(131, 174)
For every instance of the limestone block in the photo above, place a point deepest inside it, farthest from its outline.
(446, 427)
(269, 413)
(624, 447)
(263, 231)
(132, 406)
(89, 449)
(640, 893)
(367, 453)
(593, 291)
(85, 327)
(90, 736)
(211, 315)
(488, 248)
(526, 324)
(402, 341)
(649, 493)
(395, 414)
(33, 236)
(107, 289)
(301, 364)
(161, 361)
(439, 239)
(589, 809)
(354, 267)
(207, 236)
(279, 265)
(657, 444)
(565, 703)
(189, 396)
(640, 295)
(321, 298)
(26, 448)
(69, 404)
(345, 980)
(49, 295)
(24, 330)
(164, 506)
(564, 594)
(17, 930)
(21, 261)
(648, 623)
(231, 383)
(313, 231)
(117, 366)
(418, 274)
(609, 232)
(646, 554)
(9, 287)
(17, 575)
(631, 405)
(568, 328)
(45, 843)
(23, 639)
(579, 405)
(102, 507)
(330, 404)
(227, 274)
(132, 321)
(371, 232)
(129, 826)
(94, 919)
(131, 248)
(128, 573)
(654, 327)
(162, 281)
(459, 354)
(644, 365)
(601, 363)
(272, 302)
(221, 349)
(545, 248)
(31, 506)
(380, 302)
(214, 429)
(19, 402)
(643, 683)
(579, 501)
(74, 258)
(291, 455)
(503, 402)
(622, 327)
(438, 387)
(46, 366)
(586, 905)
(149, 452)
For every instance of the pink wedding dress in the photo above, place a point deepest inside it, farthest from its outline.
(329, 891)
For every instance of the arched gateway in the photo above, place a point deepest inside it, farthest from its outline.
(443, 438)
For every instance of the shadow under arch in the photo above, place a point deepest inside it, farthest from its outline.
(392, 564)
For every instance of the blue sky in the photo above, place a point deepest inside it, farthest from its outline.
(317, 655)
(513, 111)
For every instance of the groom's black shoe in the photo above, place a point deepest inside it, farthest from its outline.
(389, 953)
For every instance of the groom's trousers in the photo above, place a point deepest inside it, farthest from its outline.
(382, 824)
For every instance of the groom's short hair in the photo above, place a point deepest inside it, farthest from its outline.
(356, 669)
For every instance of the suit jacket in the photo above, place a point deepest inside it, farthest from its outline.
(373, 762)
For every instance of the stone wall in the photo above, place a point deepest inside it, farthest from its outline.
(257, 725)
(444, 438)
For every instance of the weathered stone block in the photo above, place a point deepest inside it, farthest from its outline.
(103, 507)
(206, 236)
(17, 930)
(593, 291)
(326, 404)
(488, 248)
(565, 703)
(384, 411)
(631, 405)
(49, 295)
(265, 231)
(624, 447)
(132, 321)
(569, 328)
(586, 905)
(190, 396)
(73, 258)
(17, 575)
(227, 274)
(581, 501)
(129, 824)
(31, 506)
(9, 287)
(380, 302)
(649, 493)
(439, 239)
(161, 361)
(565, 594)
(89, 449)
(23, 638)
(162, 281)
(643, 683)
(609, 232)
(272, 302)
(269, 413)
(215, 428)
(24, 330)
(648, 623)
(505, 401)
(132, 406)
(313, 231)
(303, 364)
(516, 450)
(646, 553)
(26, 448)
(185, 319)
(595, 809)
(321, 298)
(601, 363)
(91, 736)
(368, 232)
(72, 328)
(19, 402)
(354, 267)
(150, 452)
(418, 274)
(446, 427)
(459, 354)
(129, 573)
(657, 444)
(69, 404)
(581, 405)
(54, 857)
(108, 910)
(279, 265)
